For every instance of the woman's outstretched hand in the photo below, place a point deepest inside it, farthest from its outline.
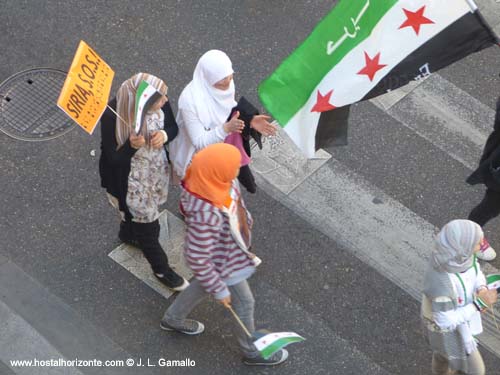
(262, 125)
(235, 124)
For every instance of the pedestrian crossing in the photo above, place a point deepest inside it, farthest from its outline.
(339, 202)
(37, 325)
(378, 229)
(342, 204)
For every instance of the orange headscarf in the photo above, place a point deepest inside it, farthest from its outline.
(211, 173)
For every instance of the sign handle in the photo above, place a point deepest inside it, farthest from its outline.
(117, 115)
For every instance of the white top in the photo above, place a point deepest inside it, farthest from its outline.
(465, 316)
(192, 137)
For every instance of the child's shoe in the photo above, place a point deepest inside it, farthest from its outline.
(275, 359)
(486, 252)
(188, 327)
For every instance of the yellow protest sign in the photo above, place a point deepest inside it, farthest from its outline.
(85, 93)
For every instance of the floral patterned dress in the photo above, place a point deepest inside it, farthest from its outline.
(148, 178)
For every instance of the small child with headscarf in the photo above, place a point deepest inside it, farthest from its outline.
(208, 114)
(454, 296)
(134, 171)
(217, 247)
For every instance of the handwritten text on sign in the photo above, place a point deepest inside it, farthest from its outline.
(85, 93)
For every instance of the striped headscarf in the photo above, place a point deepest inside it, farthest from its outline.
(125, 103)
(455, 245)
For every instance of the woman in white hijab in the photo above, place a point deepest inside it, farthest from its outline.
(134, 171)
(208, 113)
(454, 296)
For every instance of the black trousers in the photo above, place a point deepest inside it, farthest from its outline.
(147, 235)
(245, 177)
(488, 209)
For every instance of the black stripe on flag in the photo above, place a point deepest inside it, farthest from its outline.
(467, 35)
(461, 38)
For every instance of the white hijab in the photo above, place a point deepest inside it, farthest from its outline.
(211, 105)
(455, 245)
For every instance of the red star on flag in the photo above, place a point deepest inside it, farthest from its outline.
(415, 19)
(323, 102)
(372, 66)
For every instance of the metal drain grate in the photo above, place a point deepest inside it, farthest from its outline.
(28, 105)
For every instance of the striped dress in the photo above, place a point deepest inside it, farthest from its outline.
(210, 250)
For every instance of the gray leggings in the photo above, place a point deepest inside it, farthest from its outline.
(475, 364)
(242, 302)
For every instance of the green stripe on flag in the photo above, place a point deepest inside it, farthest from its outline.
(143, 85)
(279, 344)
(493, 278)
(289, 87)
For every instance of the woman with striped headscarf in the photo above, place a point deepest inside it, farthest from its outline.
(134, 170)
(454, 296)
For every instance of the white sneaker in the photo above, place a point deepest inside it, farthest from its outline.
(486, 252)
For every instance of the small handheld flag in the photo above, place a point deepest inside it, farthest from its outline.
(493, 281)
(146, 96)
(270, 343)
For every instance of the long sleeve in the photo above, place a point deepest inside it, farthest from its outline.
(480, 279)
(201, 240)
(169, 123)
(247, 112)
(114, 157)
(199, 136)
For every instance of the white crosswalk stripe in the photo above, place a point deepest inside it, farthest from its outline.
(376, 228)
(26, 343)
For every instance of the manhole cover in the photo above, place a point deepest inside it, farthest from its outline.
(28, 109)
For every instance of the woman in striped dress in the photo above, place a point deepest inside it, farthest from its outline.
(217, 247)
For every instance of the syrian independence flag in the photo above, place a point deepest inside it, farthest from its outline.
(361, 49)
(145, 97)
(493, 281)
(269, 344)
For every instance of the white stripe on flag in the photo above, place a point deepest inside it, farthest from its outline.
(146, 94)
(348, 86)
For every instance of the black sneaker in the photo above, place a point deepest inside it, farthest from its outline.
(172, 280)
(275, 359)
(188, 327)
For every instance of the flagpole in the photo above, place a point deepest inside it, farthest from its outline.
(117, 115)
(472, 4)
(239, 320)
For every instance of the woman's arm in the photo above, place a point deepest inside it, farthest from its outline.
(114, 157)
(199, 136)
(201, 240)
(169, 124)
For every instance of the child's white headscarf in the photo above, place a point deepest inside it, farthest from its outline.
(455, 245)
(211, 105)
